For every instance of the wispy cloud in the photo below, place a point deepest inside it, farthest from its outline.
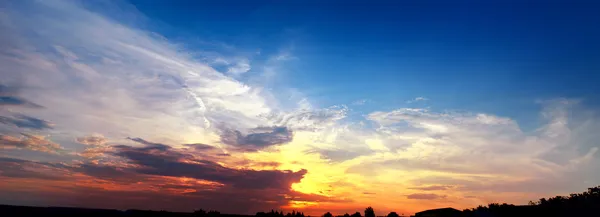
(24, 121)
(417, 99)
(258, 138)
(425, 196)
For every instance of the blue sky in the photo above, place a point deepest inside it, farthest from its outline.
(487, 56)
(308, 105)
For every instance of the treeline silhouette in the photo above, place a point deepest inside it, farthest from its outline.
(280, 214)
(581, 204)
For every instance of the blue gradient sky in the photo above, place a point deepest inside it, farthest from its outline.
(488, 56)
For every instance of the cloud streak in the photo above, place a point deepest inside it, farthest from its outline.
(258, 138)
(24, 121)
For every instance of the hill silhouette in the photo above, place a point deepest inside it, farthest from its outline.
(580, 204)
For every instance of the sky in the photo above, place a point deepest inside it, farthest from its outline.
(247, 106)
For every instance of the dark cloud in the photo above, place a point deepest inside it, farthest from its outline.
(368, 193)
(107, 172)
(24, 121)
(17, 168)
(225, 200)
(151, 145)
(8, 97)
(158, 159)
(425, 196)
(258, 138)
(17, 101)
(158, 167)
(433, 188)
(200, 147)
(223, 155)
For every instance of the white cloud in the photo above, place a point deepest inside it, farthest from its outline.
(235, 66)
(417, 99)
(116, 80)
(482, 145)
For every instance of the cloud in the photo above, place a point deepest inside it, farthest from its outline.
(258, 137)
(30, 142)
(433, 188)
(17, 101)
(339, 155)
(125, 73)
(308, 119)
(417, 99)
(96, 146)
(17, 168)
(162, 168)
(24, 121)
(155, 159)
(95, 152)
(425, 196)
(92, 140)
(200, 147)
(477, 153)
(239, 67)
(8, 97)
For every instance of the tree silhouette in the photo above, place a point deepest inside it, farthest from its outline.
(328, 214)
(200, 213)
(213, 213)
(356, 214)
(369, 212)
(582, 204)
(346, 215)
(393, 214)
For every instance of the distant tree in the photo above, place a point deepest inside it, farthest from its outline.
(393, 214)
(328, 214)
(200, 212)
(356, 214)
(346, 215)
(369, 212)
(213, 213)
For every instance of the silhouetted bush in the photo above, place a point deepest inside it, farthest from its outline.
(369, 212)
(393, 214)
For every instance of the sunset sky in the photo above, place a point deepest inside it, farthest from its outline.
(247, 106)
